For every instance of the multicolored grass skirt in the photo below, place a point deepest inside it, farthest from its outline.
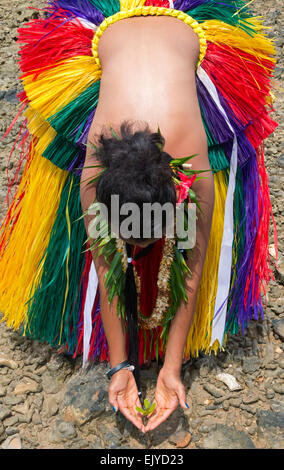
(48, 282)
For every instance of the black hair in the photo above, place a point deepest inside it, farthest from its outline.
(137, 170)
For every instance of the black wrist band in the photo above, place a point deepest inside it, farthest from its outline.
(117, 368)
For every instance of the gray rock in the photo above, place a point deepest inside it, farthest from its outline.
(278, 327)
(86, 396)
(10, 431)
(270, 426)
(226, 405)
(67, 430)
(277, 406)
(281, 362)
(251, 398)
(270, 393)
(279, 388)
(207, 413)
(216, 392)
(4, 413)
(270, 366)
(227, 437)
(36, 419)
(3, 434)
(236, 402)
(251, 364)
(268, 353)
(11, 421)
(50, 406)
(111, 437)
(247, 408)
(50, 384)
(11, 400)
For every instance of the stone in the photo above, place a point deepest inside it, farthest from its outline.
(11, 400)
(270, 393)
(21, 409)
(4, 413)
(229, 380)
(216, 392)
(207, 413)
(36, 419)
(27, 386)
(219, 401)
(11, 421)
(278, 327)
(67, 430)
(277, 406)
(7, 362)
(62, 431)
(10, 431)
(236, 402)
(248, 409)
(268, 354)
(270, 366)
(279, 388)
(251, 398)
(227, 437)
(226, 405)
(251, 364)
(86, 396)
(3, 434)
(180, 439)
(279, 272)
(12, 442)
(109, 436)
(50, 407)
(50, 384)
(270, 427)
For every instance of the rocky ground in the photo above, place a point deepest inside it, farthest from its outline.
(236, 398)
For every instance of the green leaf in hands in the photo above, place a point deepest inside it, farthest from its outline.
(148, 409)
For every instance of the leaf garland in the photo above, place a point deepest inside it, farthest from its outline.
(106, 245)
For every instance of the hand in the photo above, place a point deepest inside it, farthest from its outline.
(123, 395)
(170, 392)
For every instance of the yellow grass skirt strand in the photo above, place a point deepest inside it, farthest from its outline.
(42, 182)
(146, 11)
(41, 129)
(222, 33)
(130, 4)
(200, 333)
(53, 89)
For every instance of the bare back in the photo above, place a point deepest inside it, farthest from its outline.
(148, 75)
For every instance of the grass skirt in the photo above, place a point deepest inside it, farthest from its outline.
(47, 278)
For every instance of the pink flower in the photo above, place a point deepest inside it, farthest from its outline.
(185, 184)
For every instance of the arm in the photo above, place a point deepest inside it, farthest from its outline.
(204, 189)
(181, 323)
(170, 391)
(122, 392)
(114, 326)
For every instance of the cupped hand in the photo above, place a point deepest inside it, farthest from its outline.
(123, 396)
(170, 392)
